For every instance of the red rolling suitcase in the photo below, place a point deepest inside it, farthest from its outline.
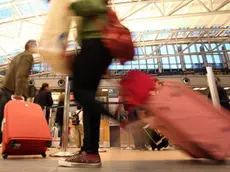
(189, 120)
(25, 130)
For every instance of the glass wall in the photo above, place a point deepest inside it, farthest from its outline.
(170, 57)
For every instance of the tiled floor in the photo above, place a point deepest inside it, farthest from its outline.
(116, 160)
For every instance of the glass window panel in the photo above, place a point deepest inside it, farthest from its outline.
(150, 66)
(198, 47)
(163, 50)
(156, 66)
(200, 58)
(173, 66)
(209, 58)
(112, 67)
(194, 58)
(188, 66)
(135, 62)
(192, 48)
(172, 60)
(135, 66)
(165, 60)
(178, 59)
(206, 47)
(150, 61)
(140, 51)
(153, 49)
(213, 45)
(36, 68)
(187, 59)
(227, 46)
(127, 67)
(147, 37)
(155, 60)
(217, 58)
(166, 67)
(164, 35)
(141, 57)
(183, 47)
(179, 66)
(142, 61)
(143, 67)
(171, 49)
(148, 50)
(128, 63)
(120, 67)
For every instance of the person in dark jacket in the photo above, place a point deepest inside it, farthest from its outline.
(59, 116)
(44, 99)
(223, 96)
(16, 78)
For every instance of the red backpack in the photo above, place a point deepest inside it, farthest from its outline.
(135, 87)
(117, 38)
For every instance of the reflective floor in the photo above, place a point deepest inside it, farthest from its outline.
(116, 160)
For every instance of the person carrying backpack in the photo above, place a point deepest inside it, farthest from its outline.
(101, 41)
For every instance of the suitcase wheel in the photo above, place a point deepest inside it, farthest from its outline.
(4, 155)
(43, 155)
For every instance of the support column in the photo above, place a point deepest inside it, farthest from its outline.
(212, 87)
(65, 134)
(159, 65)
(203, 56)
(179, 49)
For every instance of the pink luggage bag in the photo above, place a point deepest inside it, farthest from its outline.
(189, 120)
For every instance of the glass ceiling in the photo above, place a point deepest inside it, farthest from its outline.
(21, 20)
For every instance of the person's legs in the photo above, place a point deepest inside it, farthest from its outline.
(60, 130)
(47, 116)
(81, 131)
(90, 65)
(77, 137)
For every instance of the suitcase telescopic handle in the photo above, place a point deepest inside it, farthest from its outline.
(15, 97)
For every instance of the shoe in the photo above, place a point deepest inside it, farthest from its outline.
(82, 160)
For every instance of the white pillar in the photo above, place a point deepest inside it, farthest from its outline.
(212, 87)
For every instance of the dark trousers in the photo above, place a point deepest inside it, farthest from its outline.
(5, 97)
(89, 66)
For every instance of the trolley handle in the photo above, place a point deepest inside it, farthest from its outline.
(15, 97)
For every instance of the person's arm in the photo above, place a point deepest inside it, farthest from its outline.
(22, 73)
(86, 8)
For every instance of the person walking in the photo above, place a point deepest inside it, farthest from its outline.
(16, 78)
(89, 66)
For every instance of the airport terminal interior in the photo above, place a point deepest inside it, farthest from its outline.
(174, 40)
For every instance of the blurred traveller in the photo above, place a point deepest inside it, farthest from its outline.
(223, 96)
(59, 116)
(44, 99)
(16, 79)
(91, 63)
(78, 127)
(136, 129)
